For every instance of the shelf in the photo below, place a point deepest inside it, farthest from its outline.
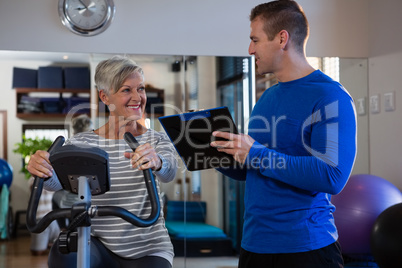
(52, 90)
(40, 113)
(154, 94)
(28, 90)
(39, 116)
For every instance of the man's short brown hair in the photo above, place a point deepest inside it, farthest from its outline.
(283, 15)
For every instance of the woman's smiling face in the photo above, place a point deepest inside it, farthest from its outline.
(129, 101)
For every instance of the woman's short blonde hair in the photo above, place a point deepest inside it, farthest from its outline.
(110, 74)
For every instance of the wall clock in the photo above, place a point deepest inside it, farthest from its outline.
(86, 17)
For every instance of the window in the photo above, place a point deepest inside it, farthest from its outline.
(328, 65)
(45, 131)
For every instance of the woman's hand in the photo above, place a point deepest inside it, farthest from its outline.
(39, 165)
(144, 157)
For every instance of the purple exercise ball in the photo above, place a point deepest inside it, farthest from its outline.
(357, 208)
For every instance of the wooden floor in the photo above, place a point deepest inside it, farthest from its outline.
(15, 253)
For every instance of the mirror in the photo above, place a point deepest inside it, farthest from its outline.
(353, 75)
(188, 82)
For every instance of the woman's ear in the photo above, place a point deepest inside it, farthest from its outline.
(104, 97)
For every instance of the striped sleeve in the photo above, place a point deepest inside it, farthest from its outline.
(167, 154)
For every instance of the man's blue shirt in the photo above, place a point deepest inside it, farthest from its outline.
(304, 151)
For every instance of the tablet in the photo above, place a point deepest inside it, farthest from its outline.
(191, 134)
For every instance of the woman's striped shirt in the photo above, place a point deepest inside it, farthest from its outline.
(128, 191)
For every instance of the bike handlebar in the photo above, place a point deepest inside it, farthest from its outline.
(35, 226)
(37, 187)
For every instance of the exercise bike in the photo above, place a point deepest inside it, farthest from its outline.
(85, 171)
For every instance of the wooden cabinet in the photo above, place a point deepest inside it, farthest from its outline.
(41, 103)
(31, 102)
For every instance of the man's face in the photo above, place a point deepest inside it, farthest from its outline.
(266, 52)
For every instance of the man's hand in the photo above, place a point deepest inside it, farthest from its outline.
(237, 145)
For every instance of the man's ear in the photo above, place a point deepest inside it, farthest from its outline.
(104, 97)
(283, 38)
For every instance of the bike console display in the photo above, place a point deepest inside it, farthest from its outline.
(71, 162)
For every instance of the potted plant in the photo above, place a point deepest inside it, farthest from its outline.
(29, 146)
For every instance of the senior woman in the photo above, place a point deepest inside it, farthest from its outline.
(120, 84)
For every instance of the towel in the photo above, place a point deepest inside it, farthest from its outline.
(4, 197)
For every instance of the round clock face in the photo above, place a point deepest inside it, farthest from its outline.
(86, 17)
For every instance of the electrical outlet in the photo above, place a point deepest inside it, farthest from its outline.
(361, 106)
(389, 101)
(375, 104)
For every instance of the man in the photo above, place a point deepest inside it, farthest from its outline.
(300, 149)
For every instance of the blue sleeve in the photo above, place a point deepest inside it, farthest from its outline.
(330, 152)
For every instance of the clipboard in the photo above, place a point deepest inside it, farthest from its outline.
(191, 135)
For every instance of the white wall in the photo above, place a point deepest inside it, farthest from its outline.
(209, 27)
(385, 75)
(354, 77)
